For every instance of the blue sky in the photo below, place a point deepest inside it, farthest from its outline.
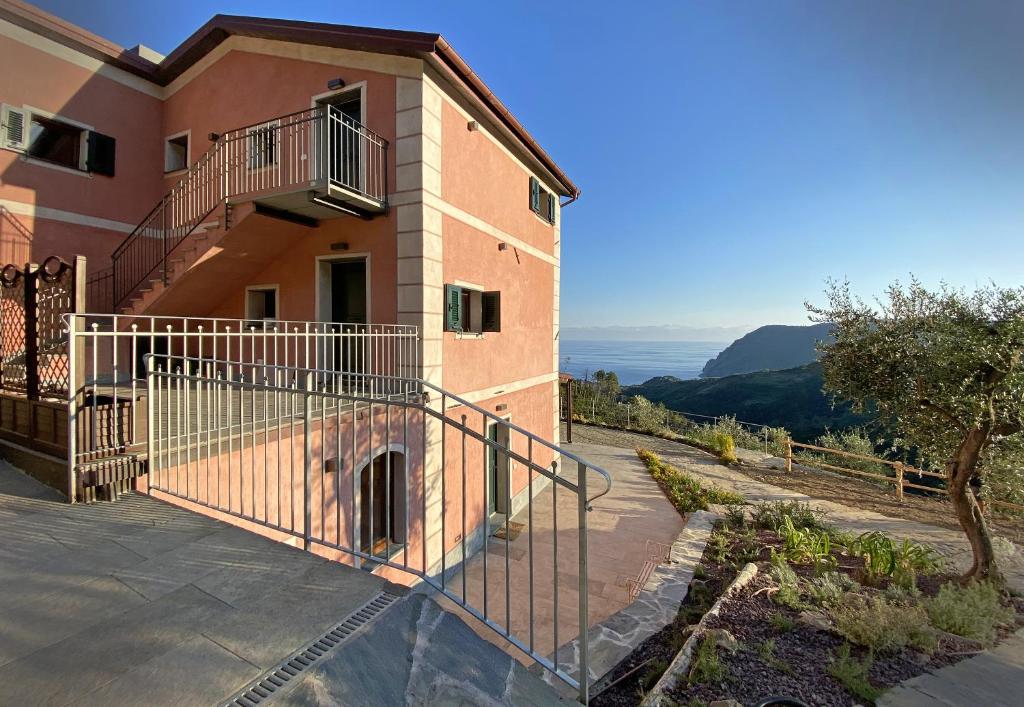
(732, 155)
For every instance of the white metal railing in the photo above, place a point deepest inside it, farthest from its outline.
(107, 375)
(408, 482)
(313, 148)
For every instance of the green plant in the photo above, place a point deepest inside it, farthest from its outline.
(853, 674)
(650, 675)
(871, 621)
(902, 562)
(766, 652)
(735, 516)
(706, 666)
(806, 545)
(781, 623)
(972, 611)
(724, 446)
(769, 515)
(828, 588)
(788, 590)
(685, 492)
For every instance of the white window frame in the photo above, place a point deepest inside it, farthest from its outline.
(83, 148)
(475, 330)
(188, 152)
(276, 289)
(250, 164)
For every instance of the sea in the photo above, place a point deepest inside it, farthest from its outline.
(637, 361)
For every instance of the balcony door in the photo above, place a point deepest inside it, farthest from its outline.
(344, 301)
(344, 143)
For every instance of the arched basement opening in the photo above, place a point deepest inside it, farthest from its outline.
(382, 504)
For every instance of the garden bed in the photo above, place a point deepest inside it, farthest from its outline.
(830, 619)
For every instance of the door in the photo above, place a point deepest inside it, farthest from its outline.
(497, 469)
(347, 307)
(344, 139)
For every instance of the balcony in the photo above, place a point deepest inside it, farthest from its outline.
(315, 164)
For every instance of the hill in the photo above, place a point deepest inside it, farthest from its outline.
(769, 348)
(790, 398)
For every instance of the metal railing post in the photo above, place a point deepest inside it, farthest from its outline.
(581, 502)
(74, 374)
(150, 397)
(307, 462)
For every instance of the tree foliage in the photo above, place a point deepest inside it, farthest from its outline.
(944, 368)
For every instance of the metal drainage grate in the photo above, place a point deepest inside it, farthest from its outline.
(292, 667)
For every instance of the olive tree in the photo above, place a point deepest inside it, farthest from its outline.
(945, 369)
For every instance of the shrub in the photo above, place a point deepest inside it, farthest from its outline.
(873, 622)
(829, 588)
(766, 652)
(788, 592)
(782, 623)
(902, 562)
(724, 447)
(853, 674)
(806, 545)
(735, 516)
(769, 515)
(685, 492)
(972, 611)
(706, 667)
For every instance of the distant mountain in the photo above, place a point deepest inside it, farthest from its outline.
(790, 398)
(770, 348)
(652, 333)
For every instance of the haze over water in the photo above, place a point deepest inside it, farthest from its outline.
(637, 361)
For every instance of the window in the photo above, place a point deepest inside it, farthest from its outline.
(57, 141)
(471, 311)
(261, 303)
(262, 145)
(542, 202)
(176, 152)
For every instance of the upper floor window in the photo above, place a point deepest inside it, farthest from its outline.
(262, 146)
(176, 152)
(542, 202)
(471, 311)
(56, 140)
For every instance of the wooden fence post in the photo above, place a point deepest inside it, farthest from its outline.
(789, 455)
(899, 482)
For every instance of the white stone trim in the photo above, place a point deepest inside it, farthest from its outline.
(494, 391)
(23, 209)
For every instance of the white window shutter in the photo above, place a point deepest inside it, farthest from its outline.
(14, 135)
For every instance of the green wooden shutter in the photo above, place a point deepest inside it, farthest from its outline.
(452, 308)
(552, 204)
(534, 194)
(490, 304)
(101, 150)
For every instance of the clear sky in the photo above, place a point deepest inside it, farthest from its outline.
(732, 155)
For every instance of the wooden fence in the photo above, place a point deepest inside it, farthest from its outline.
(898, 480)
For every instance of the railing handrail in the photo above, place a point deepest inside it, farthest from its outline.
(212, 180)
(249, 327)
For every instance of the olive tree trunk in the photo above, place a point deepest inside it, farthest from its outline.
(961, 470)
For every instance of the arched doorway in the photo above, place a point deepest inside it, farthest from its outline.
(382, 504)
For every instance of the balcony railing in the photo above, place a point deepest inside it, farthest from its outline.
(319, 148)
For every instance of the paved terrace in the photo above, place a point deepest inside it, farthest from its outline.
(141, 602)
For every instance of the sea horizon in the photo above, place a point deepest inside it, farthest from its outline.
(637, 361)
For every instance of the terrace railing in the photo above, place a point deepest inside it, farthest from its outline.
(319, 147)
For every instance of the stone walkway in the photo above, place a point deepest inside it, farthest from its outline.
(994, 678)
(619, 527)
(950, 543)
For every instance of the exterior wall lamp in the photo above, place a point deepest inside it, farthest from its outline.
(335, 84)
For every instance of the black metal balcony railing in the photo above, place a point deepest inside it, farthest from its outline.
(316, 148)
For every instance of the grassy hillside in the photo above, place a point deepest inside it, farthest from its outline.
(769, 348)
(790, 398)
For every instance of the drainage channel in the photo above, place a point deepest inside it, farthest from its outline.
(288, 672)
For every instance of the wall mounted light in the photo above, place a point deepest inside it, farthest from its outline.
(472, 126)
(501, 408)
(503, 246)
(341, 245)
(213, 137)
(335, 84)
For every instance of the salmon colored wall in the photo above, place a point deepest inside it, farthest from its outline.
(26, 239)
(523, 347)
(295, 269)
(480, 178)
(530, 409)
(129, 116)
(243, 88)
(257, 481)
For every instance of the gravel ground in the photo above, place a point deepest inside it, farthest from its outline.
(850, 492)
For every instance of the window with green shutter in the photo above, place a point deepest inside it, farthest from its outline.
(534, 195)
(490, 306)
(542, 202)
(453, 308)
